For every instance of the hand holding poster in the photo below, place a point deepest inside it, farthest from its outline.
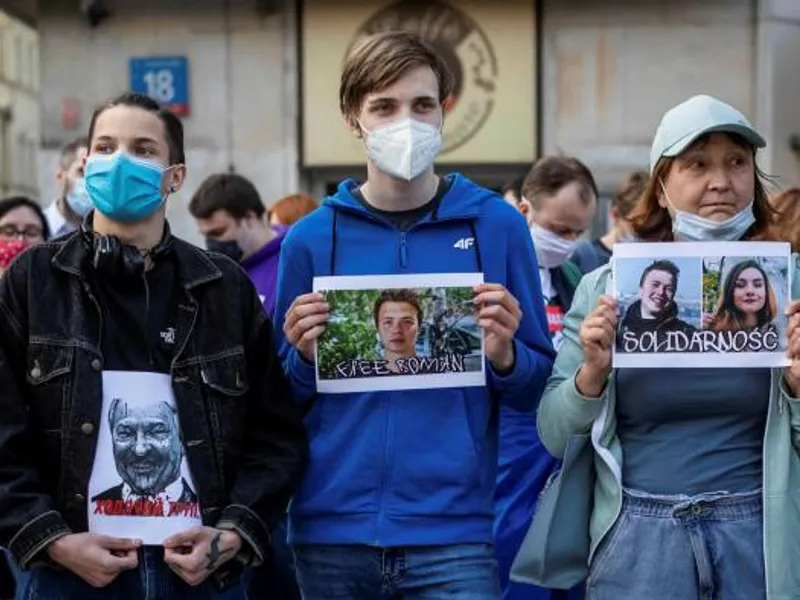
(141, 486)
(715, 304)
(395, 332)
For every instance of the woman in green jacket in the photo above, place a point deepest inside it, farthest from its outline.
(698, 472)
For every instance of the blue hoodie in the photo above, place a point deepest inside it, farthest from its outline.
(410, 468)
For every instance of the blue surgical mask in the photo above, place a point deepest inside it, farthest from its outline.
(78, 199)
(124, 188)
(689, 227)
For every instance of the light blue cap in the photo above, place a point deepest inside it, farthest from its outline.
(684, 123)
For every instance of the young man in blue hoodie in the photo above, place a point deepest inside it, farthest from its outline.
(397, 499)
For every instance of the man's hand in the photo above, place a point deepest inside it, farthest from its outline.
(499, 316)
(305, 321)
(194, 554)
(97, 559)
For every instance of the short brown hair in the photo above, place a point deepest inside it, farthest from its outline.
(787, 225)
(628, 192)
(400, 295)
(381, 60)
(652, 223)
(551, 173)
(70, 151)
(291, 209)
(230, 192)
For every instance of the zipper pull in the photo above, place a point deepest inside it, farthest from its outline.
(403, 250)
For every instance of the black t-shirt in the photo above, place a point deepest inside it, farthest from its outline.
(139, 314)
(405, 219)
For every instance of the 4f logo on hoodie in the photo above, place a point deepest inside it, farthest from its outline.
(464, 243)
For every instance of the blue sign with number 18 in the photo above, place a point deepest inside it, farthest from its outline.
(163, 78)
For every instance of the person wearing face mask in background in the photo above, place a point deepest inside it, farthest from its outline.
(122, 294)
(589, 255)
(22, 225)
(65, 214)
(230, 215)
(397, 498)
(716, 515)
(559, 199)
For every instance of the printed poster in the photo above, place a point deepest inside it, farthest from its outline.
(712, 304)
(141, 486)
(400, 332)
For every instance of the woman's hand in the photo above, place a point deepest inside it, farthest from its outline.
(597, 334)
(791, 374)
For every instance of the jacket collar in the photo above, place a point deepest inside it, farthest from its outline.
(195, 268)
(463, 200)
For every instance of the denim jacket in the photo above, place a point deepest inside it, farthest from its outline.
(564, 413)
(244, 438)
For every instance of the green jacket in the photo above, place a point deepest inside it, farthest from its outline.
(564, 412)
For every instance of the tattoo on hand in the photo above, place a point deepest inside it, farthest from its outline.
(214, 553)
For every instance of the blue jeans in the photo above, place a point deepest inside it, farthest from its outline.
(708, 547)
(153, 580)
(460, 572)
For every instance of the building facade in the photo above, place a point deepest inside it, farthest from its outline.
(19, 101)
(258, 79)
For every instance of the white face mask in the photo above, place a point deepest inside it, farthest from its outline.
(689, 227)
(551, 250)
(403, 148)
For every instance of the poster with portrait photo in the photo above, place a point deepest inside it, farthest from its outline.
(711, 304)
(141, 486)
(400, 332)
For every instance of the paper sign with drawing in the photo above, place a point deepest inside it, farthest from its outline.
(702, 305)
(141, 486)
(396, 332)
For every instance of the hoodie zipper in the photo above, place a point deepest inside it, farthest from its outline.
(403, 250)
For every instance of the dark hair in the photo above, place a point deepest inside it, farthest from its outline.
(727, 315)
(290, 209)
(628, 192)
(173, 127)
(230, 192)
(550, 174)
(14, 202)
(652, 222)
(667, 266)
(787, 225)
(70, 149)
(401, 295)
(381, 60)
(515, 187)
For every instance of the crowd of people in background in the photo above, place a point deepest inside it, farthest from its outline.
(444, 526)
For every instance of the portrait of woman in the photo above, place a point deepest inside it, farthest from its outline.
(747, 300)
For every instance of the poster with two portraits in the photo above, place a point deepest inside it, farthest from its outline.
(711, 304)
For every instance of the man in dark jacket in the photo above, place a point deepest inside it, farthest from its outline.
(559, 200)
(121, 308)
